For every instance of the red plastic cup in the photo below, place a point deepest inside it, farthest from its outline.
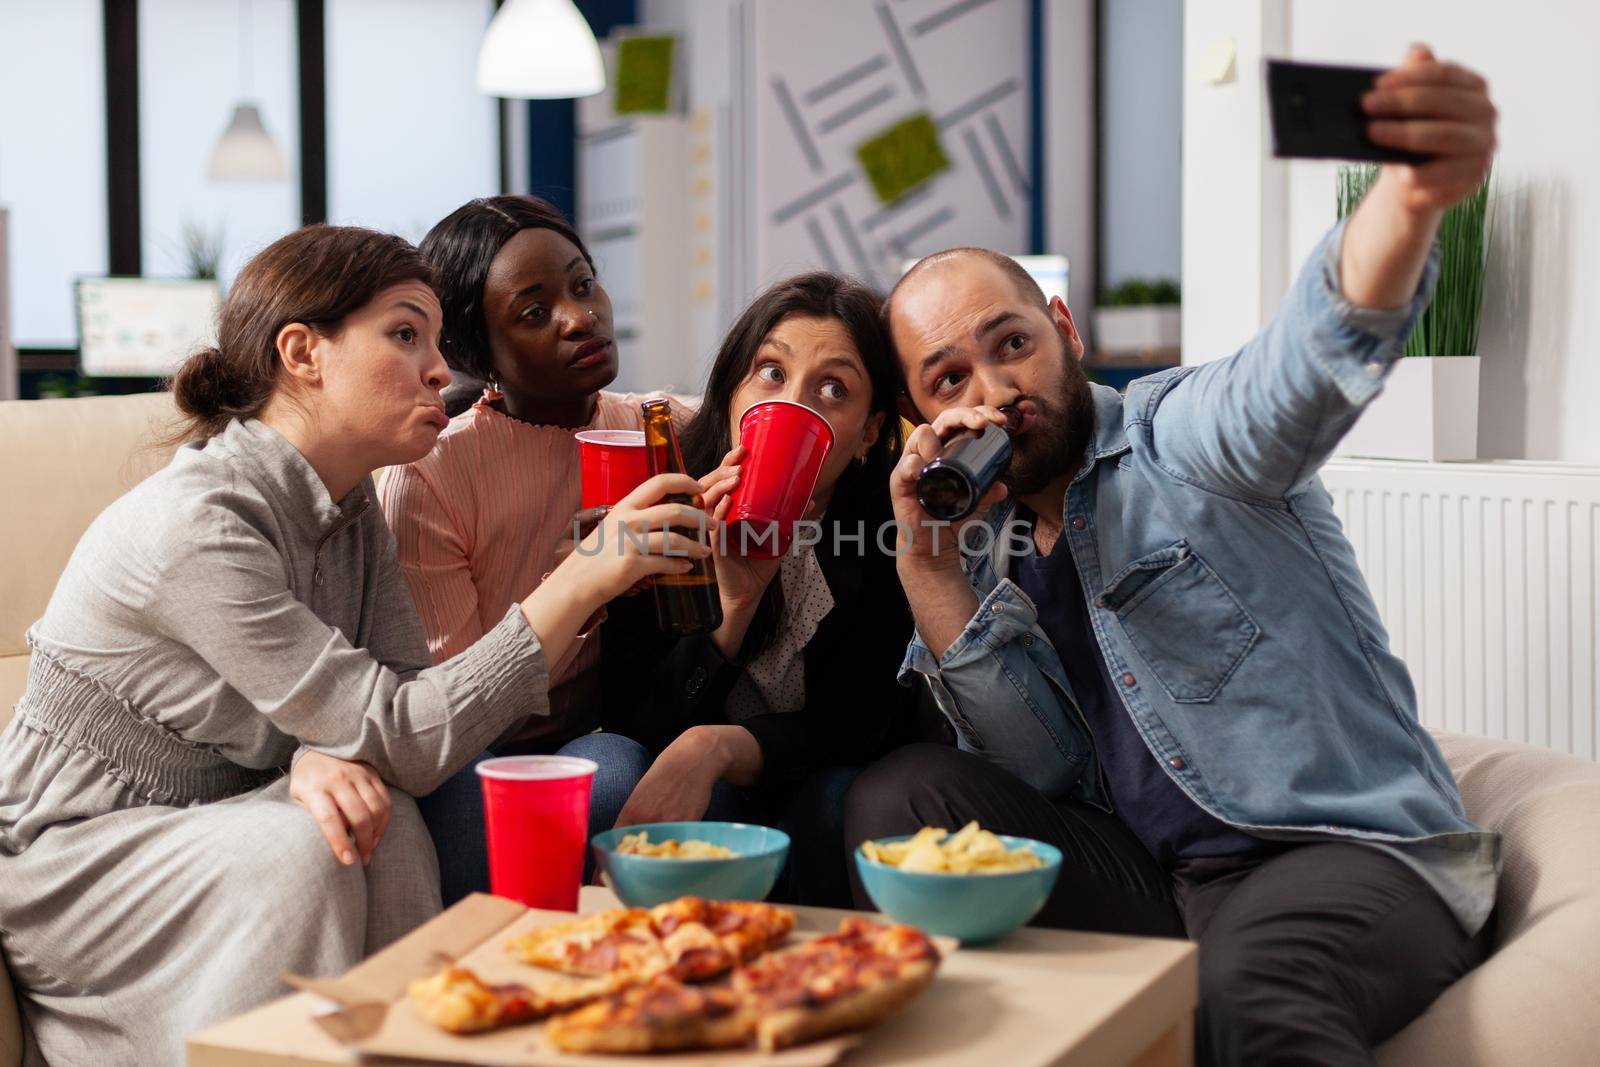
(536, 813)
(785, 445)
(612, 464)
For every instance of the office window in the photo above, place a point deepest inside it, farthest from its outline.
(52, 160)
(197, 60)
(1141, 130)
(410, 138)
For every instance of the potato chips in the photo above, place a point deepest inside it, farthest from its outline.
(970, 850)
(639, 845)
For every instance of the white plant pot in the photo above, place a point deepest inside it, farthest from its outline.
(1128, 331)
(1428, 410)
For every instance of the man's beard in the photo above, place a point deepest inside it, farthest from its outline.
(1054, 445)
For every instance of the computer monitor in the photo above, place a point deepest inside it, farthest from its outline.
(143, 327)
(1050, 271)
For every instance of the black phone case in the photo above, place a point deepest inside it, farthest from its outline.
(1316, 114)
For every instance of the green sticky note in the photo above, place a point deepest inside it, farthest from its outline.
(903, 157)
(644, 75)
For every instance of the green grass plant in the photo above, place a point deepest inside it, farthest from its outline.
(1449, 326)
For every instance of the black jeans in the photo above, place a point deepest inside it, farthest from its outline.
(1309, 954)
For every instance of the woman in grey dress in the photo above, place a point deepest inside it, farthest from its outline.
(239, 614)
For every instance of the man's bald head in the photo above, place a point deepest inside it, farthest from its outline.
(1027, 288)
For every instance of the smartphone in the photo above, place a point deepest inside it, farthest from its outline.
(1316, 113)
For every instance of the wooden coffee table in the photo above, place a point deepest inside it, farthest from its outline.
(1036, 998)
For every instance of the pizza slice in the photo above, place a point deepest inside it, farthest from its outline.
(844, 981)
(744, 928)
(695, 954)
(459, 1001)
(691, 938)
(662, 1015)
(620, 941)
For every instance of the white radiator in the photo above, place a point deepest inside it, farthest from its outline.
(1488, 579)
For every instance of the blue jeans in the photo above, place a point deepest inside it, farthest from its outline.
(454, 811)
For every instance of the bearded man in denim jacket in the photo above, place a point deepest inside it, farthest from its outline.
(1157, 651)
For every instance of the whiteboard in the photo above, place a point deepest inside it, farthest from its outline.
(143, 326)
(826, 83)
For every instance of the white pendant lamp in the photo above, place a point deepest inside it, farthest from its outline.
(540, 50)
(246, 152)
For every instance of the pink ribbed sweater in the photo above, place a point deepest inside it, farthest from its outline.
(478, 519)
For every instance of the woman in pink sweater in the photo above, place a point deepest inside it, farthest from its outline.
(488, 513)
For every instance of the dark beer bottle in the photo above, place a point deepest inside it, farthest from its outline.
(971, 461)
(685, 603)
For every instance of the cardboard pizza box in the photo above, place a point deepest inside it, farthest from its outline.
(1037, 997)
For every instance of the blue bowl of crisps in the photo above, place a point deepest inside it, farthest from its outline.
(971, 885)
(651, 863)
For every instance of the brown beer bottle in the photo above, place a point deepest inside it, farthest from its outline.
(685, 603)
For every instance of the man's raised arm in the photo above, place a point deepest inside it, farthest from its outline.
(1260, 423)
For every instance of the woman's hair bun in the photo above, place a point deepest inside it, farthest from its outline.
(202, 385)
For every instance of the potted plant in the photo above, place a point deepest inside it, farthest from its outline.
(202, 249)
(1428, 409)
(1139, 320)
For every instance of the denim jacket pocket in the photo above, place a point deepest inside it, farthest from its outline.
(1182, 620)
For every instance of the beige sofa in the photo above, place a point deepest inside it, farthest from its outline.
(1536, 1001)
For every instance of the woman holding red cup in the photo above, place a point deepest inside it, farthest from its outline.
(492, 509)
(769, 717)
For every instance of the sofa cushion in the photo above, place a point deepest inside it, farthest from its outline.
(63, 462)
(1536, 1000)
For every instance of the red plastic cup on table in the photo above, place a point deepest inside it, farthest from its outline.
(785, 445)
(612, 464)
(536, 814)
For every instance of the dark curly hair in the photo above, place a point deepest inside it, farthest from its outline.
(461, 247)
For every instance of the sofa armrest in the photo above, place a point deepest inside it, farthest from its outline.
(1536, 1000)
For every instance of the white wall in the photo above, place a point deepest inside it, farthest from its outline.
(1234, 244)
(1141, 139)
(1541, 377)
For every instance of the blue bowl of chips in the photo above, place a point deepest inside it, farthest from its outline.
(698, 868)
(975, 906)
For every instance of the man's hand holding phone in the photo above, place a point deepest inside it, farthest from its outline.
(1425, 106)
(1439, 110)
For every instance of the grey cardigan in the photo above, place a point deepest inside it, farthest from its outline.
(225, 613)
